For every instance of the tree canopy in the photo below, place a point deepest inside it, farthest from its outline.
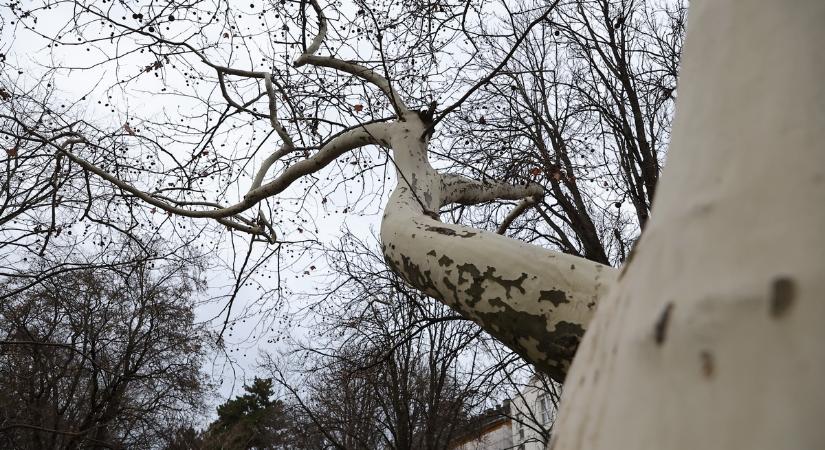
(97, 358)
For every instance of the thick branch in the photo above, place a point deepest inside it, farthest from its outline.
(267, 163)
(536, 301)
(273, 115)
(460, 189)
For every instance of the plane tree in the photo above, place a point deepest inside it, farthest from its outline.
(719, 298)
(309, 89)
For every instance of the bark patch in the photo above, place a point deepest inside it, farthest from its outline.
(414, 274)
(783, 294)
(708, 365)
(475, 290)
(556, 347)
(660, 328)
(554, 296)
(476, 280)
(449, 231)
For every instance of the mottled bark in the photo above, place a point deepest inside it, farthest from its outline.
(536, 301)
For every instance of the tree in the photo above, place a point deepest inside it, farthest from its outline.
(386, 368)
(250, 421)
(705, 284)
(100, 359)
(584, 108)
(185, 438)
(514, 298)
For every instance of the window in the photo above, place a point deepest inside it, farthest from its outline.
(546, 408)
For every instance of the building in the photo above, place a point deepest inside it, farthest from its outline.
(491, 430)
(532, 413)
(522, 423)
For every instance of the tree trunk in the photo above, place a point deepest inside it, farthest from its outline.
(713, 338)
(536, 301)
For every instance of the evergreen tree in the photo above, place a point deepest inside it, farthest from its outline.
(250, 421)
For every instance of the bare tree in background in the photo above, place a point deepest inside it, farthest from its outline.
(584, 109)
(386, 367)
(103, 358)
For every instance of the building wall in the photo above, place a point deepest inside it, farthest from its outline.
(532, 414)
(498, 437)
(524, 423)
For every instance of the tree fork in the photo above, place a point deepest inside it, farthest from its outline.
(536, 301)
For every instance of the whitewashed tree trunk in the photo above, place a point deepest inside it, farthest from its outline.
(713, 337)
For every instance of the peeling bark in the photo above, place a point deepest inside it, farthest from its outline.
(536, 301)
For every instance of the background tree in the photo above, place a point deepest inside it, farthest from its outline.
(253, 420)
(184, 438)
(105, 358)
(584, 109)
(386, 368)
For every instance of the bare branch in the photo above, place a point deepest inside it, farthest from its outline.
(460, 189)
(522, 206)
(374, 133)
(349, 67)
(495, 71)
